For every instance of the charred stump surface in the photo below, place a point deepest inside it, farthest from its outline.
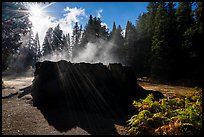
(85, 86)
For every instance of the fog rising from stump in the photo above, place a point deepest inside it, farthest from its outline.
(100, 51)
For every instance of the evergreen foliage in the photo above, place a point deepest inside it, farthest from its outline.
(13, 26)
(164, 44)
(47, 43)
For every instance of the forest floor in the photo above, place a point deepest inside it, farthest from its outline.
(19, 117)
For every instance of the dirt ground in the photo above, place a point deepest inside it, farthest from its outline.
(167, 90)
(19, 117)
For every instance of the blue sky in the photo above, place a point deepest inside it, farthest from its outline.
(120, 12)
(67, 13)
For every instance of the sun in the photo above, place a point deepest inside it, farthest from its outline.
(36, 16)
(39, 16)
(36, 11)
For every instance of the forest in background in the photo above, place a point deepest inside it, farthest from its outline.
(163, 44)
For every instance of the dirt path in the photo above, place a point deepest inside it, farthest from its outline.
(19, 117)
(167, 90)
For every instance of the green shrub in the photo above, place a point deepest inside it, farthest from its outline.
(169, 116)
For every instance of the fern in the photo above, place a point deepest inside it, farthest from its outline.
(169, 116)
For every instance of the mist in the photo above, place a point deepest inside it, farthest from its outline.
(100, 51)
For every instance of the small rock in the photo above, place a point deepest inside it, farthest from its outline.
(27, 97)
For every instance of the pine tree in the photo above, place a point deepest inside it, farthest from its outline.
(75, 40)
(192, 46)
(31, 50)
(183, 16)
(75, 35)
(130, 36)
(57, 39)
(13, 27)
(103, 32)
(165, 48)
(80, 34)
(119, 42)
(114, 27)
(88, 34)
(26, 53)
(47, 47)
(143, 45)
(112, 33)
(150, 17)
(172, 46)
(66, 45)
(145, 26)
(159, 62)
(66, 41)
(37, 48)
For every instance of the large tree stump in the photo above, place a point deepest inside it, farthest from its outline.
(95, 87)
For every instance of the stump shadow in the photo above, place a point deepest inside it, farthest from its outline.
(25, 91)
(64, 119)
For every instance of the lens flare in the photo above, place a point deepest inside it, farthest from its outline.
(36, 11)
